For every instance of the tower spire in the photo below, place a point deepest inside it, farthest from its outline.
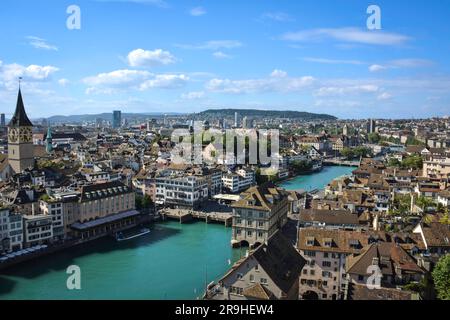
(20, 118)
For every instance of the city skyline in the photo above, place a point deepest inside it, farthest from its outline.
(291, 56)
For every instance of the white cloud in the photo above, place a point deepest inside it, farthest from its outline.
(410, 63)
(278, 74)
(40, 43)
(346, 90)
(10, 73)
(165, 81)
(212, 45)
(194, 95)
(277, 16)
(351, 35)
(384, 96)
(63, 82)
(376, 68)
(197, 11)
(278, 81)
(333, 61)
(118, 78)
(122, 80)
(146, 58)
(401, 63)
(221, 55)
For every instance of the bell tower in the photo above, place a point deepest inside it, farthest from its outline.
(20, 139)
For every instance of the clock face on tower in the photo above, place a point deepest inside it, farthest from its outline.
(26, 135)
(13, 135)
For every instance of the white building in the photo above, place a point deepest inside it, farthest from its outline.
(241, 180)
(11, 231)
(38, 229)
(181, 191)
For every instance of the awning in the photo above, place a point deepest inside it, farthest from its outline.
(105, 220)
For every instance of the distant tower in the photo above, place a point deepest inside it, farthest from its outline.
(2, 120)
(245, 122)
(345, 130)
(371, 126)
(49, 141)
(236, 119)
(20, 139)
(117, 119)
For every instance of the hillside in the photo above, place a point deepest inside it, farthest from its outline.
(265, 114)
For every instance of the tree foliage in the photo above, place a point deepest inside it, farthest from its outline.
(441, 277)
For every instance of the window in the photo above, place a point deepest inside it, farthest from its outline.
(252, 278)
(312, 272)
(310, 241)
(263, 281)
(326, 264)
(325, 254)
(249, 233)
(310, 253)
(360, 278)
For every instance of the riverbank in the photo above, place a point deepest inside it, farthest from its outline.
(172, 262)
(317, 180)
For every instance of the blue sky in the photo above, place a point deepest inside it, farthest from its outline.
(187, 56)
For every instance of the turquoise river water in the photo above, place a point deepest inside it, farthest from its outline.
(174, 261)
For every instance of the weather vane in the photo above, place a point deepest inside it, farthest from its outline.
(20, 80)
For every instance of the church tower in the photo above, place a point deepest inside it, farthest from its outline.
(20, 139)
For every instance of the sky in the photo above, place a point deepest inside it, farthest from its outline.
(189, 56)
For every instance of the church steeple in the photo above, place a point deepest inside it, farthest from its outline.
(49, 145)
(20, 118)
(20, 139)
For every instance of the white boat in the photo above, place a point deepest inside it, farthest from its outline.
(121, 237)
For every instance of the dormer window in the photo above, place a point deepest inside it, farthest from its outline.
(354, 243)
(328, 242)
(310, 241)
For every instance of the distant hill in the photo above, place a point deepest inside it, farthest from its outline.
(265, 114)
(104, 116)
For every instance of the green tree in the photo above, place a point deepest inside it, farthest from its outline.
(424, 203)
(412, 162)
(347, 153)
(394, 162)
(441, 277)
(300, 167)
(374, 137)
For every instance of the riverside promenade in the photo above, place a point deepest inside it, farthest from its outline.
(211, 212)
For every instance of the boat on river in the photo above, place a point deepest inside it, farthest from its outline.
(120, 236)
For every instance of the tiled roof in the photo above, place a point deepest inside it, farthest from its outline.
(362, 292)
(390, 256)
(261, 197)
(341, 241)
(436, 234)
(258, 292)
(103, 190)
(329, 216)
